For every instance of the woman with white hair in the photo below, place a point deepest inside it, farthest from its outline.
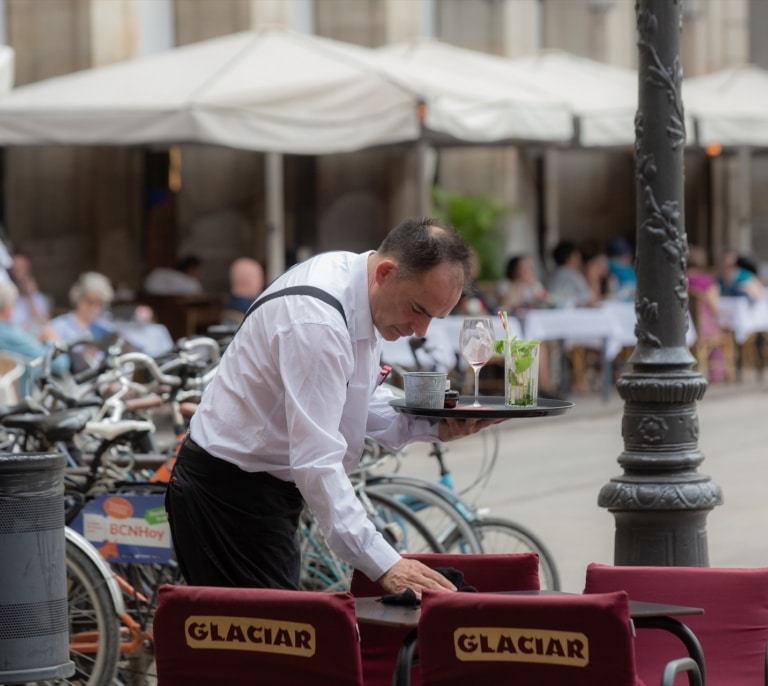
(90, 297)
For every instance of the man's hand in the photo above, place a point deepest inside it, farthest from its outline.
(413, 574)
(451, 428)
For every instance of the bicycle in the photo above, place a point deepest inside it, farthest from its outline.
(110, 605)
(458, 524)
(461, 525)
(322, 570)
(109, 494)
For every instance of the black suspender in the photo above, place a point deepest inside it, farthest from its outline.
(300, 290)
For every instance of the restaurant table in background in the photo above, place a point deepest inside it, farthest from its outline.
(440, 349)
(592, 327)
(743, 316)
(644, 614)
(626, 317)
(608, 328)
(746, 318)
(148, 337)
(578, 326)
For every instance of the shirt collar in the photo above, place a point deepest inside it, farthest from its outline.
(364, 327)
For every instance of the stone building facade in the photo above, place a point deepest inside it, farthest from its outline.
(122, 210)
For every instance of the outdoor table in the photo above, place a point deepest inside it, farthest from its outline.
(578, 326)
(644, 614)
(624, 313)
(441, 347)
(148, 337)
(745, 318)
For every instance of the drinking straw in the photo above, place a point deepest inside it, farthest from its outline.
(504, 324)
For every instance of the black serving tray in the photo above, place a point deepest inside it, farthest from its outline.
(492, 407)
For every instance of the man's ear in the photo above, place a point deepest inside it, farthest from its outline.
(386, 268)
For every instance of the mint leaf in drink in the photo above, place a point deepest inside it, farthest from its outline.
(523, 364)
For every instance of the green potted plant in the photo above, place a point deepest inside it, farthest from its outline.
(476, 217)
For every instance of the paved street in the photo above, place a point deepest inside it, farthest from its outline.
(550, 471)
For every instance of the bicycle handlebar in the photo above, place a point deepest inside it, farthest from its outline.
(148, 363)
(205, 342)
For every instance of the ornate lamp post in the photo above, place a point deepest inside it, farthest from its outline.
(661, 501)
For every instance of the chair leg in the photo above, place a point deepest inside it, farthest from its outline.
(404, 663)
(729, 357)
(579, 369)
(701, 353)
(766, 665)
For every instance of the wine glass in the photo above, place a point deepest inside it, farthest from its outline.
(477, 344)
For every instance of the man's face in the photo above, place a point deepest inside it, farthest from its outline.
(402, 307)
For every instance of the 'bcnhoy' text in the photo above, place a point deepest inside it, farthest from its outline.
(507, 644)
(250, 633)
(135, 531)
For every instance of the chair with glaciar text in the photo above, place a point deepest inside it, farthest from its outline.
(530, 640)
(733, 631)
(485, 572)
(239, 636)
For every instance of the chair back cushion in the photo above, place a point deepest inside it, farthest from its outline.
(207, 635)
(488, 573)
(733, 630)
(526, 640)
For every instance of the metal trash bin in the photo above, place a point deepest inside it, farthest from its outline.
(34, 627)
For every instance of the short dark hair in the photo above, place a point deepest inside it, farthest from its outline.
(421, 243)
(188, 262)
(562, 251)
(513, 263)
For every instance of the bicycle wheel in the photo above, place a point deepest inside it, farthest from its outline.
(322, 570)
(439, 509)
(141, 584)
(504, 536)
(94, 628)
(400, 526)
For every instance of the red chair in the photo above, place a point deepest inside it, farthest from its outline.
(733, 630)
(528, 640)
(235, 636)
(493, 572)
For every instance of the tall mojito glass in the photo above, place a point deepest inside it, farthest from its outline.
(521, 372)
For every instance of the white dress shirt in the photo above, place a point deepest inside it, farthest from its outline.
(295, 395)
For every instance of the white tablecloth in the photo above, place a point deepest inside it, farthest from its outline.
(441, 348)
(624, 312)
(743, 317)
(152, 339)
(593, 327)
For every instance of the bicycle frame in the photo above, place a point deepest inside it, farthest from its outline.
(132, 637)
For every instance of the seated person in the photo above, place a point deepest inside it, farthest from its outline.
(246, 282)
(622, 280)
(594, 266)
(33, 308)
(17, 341)
(736, 280)
(567, 284)
(521, 289)
(183, 279)
(90, 297)
(704, 303)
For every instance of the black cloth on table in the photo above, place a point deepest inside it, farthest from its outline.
(408, 597)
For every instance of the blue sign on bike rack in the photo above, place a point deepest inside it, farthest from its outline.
(127, 528)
